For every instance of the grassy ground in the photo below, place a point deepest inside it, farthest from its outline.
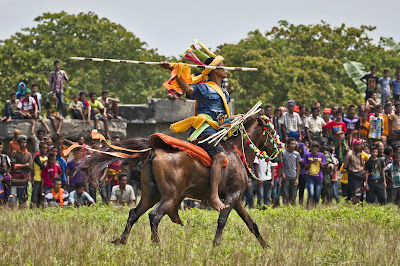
(340, 234)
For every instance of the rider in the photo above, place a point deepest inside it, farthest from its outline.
(211, 107)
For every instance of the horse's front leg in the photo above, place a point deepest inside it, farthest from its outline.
(223, 216)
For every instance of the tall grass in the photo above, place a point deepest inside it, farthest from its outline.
(339, 234)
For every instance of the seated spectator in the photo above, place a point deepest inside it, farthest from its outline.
(62, 163)
(21, 90)
(76, 109)
(13, 145)
(74, 174)
(39, 164)
(50, 172)
(56, 196)
(80, 197)
(98, 112)
(28, 108)
(111, 104)
(52, 112)
(123, 193)
(37, 95)
(87, 111)
(373, 101)
(5, 167)
(11, 109)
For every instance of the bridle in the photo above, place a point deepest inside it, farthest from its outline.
(268, 127)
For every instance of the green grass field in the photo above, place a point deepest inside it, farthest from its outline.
(340, 234)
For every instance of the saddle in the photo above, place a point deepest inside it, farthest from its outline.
(159, 140)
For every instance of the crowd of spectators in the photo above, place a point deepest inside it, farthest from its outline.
(354, 150)
(30, 104)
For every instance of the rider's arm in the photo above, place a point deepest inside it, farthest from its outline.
(182, 84)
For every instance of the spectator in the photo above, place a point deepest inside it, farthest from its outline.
(57, 196)
(52, 112)
(335, 190)
(268, 111)
(111, 105)
(375, 180)
(373, 101)
(353, 125)
(334, 109)
(328, 174)
(385, 86)
(387, 111)
(303, 117)
(51, 171)
(80, 197)
(28, 108)
(291, 123)
(74, 174)
(37, 95)
(394, 122)
(314, 125)
(377, 126)
(81, 141)
(87, 111)
(11, 109)
(388, 151)
(14, 144)
(112, 173)
(59, 143)
(276, 190)
(371, 80)
(76, 109)
(123, 193)
(362, 110)
(62, 163)
(339, 130)
(395, 86)
(264, 171)
(21, 90)
(344, 183)
(22, 164)
(290, 172)
(364, 126)
(36, 139)
(314, 162)
(102, 188)
(276, 121)
(302, 149)
(5, 167)
(100, 112)
(392, 170)
(354, 165)
(56, 81)
(39, 164)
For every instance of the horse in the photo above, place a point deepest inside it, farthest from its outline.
(169, 175)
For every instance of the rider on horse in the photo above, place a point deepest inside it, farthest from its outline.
(211, 112)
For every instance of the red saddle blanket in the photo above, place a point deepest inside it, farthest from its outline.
(157, 140)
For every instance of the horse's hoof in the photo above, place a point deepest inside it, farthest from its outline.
(118, 241)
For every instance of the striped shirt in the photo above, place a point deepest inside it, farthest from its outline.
(27, 105)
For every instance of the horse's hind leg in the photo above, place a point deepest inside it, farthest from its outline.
(223, 217)
(249, 222)
(155, 216)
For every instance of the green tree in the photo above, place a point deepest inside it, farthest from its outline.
(29, 56)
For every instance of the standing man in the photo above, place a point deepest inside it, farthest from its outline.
(385, 86)
(56, 81)
(290, 172)
(291, 123)
(264, 171)
(394, 123)
(354, 165)
(375, 181)
(353, 125)
(371, 80)
(22, 164)
(314, 125)
(377, 126)
(303, 117)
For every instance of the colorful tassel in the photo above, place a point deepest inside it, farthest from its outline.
(199, 53)
(204, 47)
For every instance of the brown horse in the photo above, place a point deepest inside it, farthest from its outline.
(169, 175)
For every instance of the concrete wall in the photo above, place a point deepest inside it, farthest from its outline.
(157, 116)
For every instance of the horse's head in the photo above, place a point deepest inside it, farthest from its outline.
(262, 137)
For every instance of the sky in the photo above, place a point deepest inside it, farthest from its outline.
(170, 26)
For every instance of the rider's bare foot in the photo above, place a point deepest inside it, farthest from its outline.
(217, 204)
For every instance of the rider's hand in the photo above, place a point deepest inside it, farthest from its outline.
(166, 65)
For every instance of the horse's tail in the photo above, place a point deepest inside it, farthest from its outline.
(97, 162)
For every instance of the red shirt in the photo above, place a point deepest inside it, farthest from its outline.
(336, 126)
(49, 173)
(277, 170)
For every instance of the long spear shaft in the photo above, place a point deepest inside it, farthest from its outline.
(159, 63)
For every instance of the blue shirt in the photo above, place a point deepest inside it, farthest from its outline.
(210, 103)
(396, 86)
